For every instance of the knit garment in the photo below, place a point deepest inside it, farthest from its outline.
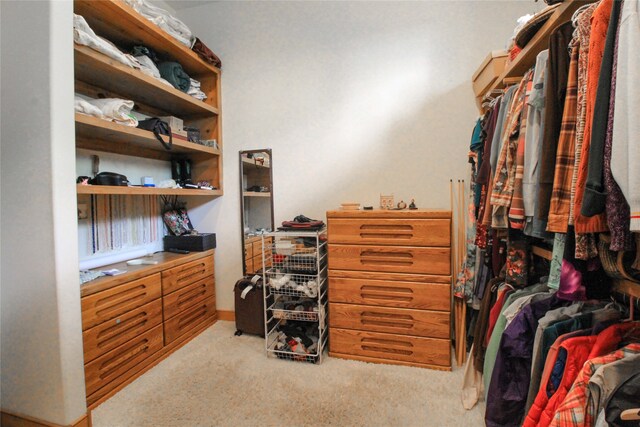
(625, 150)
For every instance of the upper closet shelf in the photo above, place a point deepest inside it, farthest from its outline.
(253, 163)
(145, 191)
(540, 41)
(121, 24)
(102, 135)
(103, 72)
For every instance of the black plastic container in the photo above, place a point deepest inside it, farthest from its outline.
(198, 243)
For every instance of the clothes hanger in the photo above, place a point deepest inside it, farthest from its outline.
(630, 414)
(577, 13)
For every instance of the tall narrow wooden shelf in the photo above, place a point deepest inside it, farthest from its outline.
(527, 57)
(93, 133)
(99, 70)
(253, 163)
(145, 191)
(256, 194)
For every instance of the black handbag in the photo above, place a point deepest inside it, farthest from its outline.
(158, 127)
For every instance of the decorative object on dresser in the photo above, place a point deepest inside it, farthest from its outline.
(389, 286)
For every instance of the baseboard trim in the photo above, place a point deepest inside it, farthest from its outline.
(9, 419)
(229, 315)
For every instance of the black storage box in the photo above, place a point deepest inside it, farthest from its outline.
(196, 242)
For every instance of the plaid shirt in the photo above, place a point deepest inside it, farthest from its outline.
(574, 410)
(516, 211)
(565, 156)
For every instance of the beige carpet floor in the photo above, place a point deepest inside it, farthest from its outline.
(218, 379)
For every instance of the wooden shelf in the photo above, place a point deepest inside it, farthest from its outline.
(542, 252)
(626, 287)
(255, 194)
(540, 41)
(99, 70)
(253, 163)
(145, 191)
(97, 134)
(122, 25)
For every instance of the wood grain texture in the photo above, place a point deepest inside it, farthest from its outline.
(428, 351)
(145, 191)
(188, 296)
(114, 332)
(186, 274)
(388, 362)
(116, 301)
(115, 365)
(391, 293)
(99, 70)
(189, 319)
(382, 231)
(402, 321)
(404, 259)
(384, 213)
(401, 277)
(227, 315)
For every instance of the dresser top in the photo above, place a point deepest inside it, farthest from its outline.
(391, 213)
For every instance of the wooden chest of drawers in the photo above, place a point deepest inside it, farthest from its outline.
(390, 286)
(132, 321)
(253, 253)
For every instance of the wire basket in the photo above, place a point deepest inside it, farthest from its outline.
(277, 348)
(279, 312)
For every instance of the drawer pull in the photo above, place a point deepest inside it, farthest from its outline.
(192, 317)
(107, 335)
(187, 297)
(195, 270)
(395, 258)
(386, 293)
(387, 346)
(390, 232)
(387, 350)
(387, 319)
(123, 357)
(382, 227)
(124, 298)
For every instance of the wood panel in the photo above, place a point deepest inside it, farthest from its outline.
(426, 296)
(388, 362)
(97, 69)
(118, 300)
(114, 365)
(180, 300)
(423, 323)
(406, 259)
(418, 350)
(390, 213)
(391, 276)
(145, 191)
(110, 334)
(185, 274)
(399, 232)
(189, 319)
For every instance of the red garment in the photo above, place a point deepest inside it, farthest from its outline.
(578, 350)
(610, 338)
(495, 312)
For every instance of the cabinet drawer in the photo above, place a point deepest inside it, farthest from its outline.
(429, 351)
(396, 259)
(404, 321)
(425, 296)
(114, 302)
(180, 300)
(249, 264)
(248, 250)
(112, 367)
(398, 232)
(114, 332)
(185, 274)
(188, 319)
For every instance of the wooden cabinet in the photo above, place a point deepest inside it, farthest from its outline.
(390, 286)
(98, 76)
(253, 253)
(132, 321)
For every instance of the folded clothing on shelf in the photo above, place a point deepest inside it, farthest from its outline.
(84, 35)
(175, 74)
(163, 19)
(301, 222)
(205, 53)
(195, 91)
(113, 109)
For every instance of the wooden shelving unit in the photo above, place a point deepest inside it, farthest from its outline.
(526, 59)
(542, 252)
(253, 163)
(255, 194)
(145, 191)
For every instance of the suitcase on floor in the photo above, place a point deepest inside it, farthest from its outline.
(249, 306)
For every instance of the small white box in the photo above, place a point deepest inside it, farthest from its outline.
(175, 123)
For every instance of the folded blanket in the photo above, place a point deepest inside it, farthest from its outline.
(84, 35)
(172, 25)
(113, 109)
(174, 74)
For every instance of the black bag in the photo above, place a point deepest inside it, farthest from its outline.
(249, 307)
(110, 178)
(158, 127)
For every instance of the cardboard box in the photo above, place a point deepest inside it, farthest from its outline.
(176, 124)
(488, 71)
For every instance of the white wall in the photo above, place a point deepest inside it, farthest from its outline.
(354, 98)
(41, 347)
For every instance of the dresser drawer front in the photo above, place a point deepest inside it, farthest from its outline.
(396, 259)
(422, 323)
(111, 368)
(186, 274)
(112, 333)
(248, 250)
(397, 232)
(188, 319)
(430, 351)
(116, 301)
(424, 296)
(182, 299)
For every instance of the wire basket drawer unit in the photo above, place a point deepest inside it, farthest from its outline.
(296, 295)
